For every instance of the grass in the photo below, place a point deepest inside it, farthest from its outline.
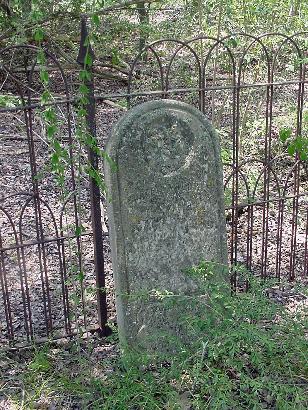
(246, 352)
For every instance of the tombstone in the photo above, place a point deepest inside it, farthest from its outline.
(165, 212)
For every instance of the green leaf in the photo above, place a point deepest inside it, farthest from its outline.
(40, 363)
(51, 130)
(61, 180)
(38, 35)
(84, 101)
(80, 276)
(36, 15)
(85, 75)
(79, 230)
(284, 134)
(110, 161)
(291, 149)
(55, 159)
(41, 58)
(81, 112)
(9, 101)
(83, 89)
(232, 42)
(95, 19)
(44, 76)
(45, 97)
(75, 299)
(57, 146)
(50, 115)
(88, 60)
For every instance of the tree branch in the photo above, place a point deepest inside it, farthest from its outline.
(118, 6)
(122, 5)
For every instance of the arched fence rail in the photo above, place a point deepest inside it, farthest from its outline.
(55, 277)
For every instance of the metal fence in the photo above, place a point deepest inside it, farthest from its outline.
(55, 274)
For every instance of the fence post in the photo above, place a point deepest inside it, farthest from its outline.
(95, 195)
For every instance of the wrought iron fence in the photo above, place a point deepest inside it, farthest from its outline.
(54, 252)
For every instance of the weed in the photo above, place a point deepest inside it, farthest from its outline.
(247, 351)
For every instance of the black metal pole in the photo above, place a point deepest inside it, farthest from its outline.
(95, 195)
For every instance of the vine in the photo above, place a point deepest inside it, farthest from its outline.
(81, 157)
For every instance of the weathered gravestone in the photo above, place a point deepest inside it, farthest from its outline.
(166, 213)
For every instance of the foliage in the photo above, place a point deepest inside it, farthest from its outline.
(121, 26)
(299, 144)
(246, 351)
(9, 101)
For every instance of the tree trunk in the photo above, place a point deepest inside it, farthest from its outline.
(144, 20)
(26, 8)
(5, 6)
(294, 8)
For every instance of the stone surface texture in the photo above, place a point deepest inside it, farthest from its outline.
(165, 212)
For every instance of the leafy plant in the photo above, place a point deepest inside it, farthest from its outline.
(297, 145)
(246, 351)
(7, 101)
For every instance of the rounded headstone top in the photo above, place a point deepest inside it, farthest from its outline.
(165, 133)
(151, 107)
